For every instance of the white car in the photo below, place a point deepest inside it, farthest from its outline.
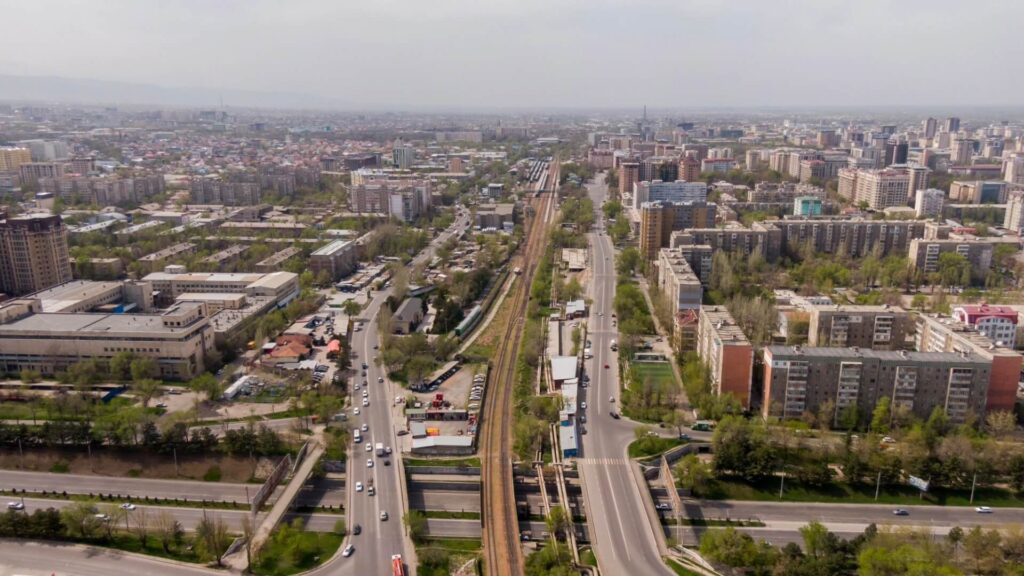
(364, 427)
(366, 393)
(983, 510)
(383, 515)
(583, 405)
(356, 410)
(357, 386)
(387, 450)
(15, 506)
(371, 491)
(128, 506)
(369, 461)
(369, 448)
(348, 551)
(366, 402)
(359, 486)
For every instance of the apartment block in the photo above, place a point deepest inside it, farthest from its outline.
(807, 206)
(677, 281)
(929, 203)
(727, 353)
(33, 253)
(629, 175)
(659, 191)
(850, 237)
(936, 334)
(12, 158)
(783, 192)
(924, 254)
(338, 259)
(31, 172)
(871, 327)
(273, 262)
(799, 380)
(763, 239)
(659, 219)
(978, 192)
(210, 191)
(1014, 218)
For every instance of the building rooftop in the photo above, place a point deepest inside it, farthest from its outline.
(563, 367)
(853, 353)
(68, 294)
(333, 248)
(723, 324)
(92, 325)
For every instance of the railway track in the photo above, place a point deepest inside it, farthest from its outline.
(501, 525)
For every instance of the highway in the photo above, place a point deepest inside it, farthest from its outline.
(623, 536)
(133, 487)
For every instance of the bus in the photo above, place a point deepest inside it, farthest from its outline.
(397, 568)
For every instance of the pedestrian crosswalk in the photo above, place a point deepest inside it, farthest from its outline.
(602, 461)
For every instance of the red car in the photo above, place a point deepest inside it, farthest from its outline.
(606, 366)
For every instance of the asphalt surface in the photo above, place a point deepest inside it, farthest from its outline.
(380, 539)
(622, 533)
(133, 487)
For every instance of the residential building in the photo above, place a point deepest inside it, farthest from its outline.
(929, 203)
(935, 334)
(689, 168)
(699, 257)
(726, 352)
(337, 259)
(798, 380)
(852, 237)
(662, 168)
(807, 206)
(629, 175)
(677, 281)
(978, 192)
(719, 165)
(962, 151)
(33, 253)
(1014, 218)
(871, 327)
(783, 192)
(659, 191)
(924, 255)
(659, 219)
(952, 125)
(684, 331)
(761, 238)
(158, 259)
(31, 172)
(45, 150)
(273, 262)
(1013, 169)
(212, 191)
(12, 158)
(881, 189)
(997, 323)
(403, 156)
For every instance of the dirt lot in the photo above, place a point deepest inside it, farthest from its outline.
(106, 462)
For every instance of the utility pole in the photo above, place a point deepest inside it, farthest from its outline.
(974, 483)
(878, 484)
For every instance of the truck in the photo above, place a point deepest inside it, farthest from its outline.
(379, 448)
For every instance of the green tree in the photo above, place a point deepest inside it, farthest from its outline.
(145, 390)
(735, 549)
(143, 368)
(629, 262)
(121, 365)
(557, 522)
(80, 519)
(416, 522)
(693, 474)
(212, 538)
(881, 418)
(208, 385)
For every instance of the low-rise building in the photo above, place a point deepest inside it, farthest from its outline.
(496, 216)
(997, 323)
(407, 317)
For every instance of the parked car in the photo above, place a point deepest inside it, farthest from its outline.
(663, 506)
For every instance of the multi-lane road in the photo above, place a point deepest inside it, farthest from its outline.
(621, 530)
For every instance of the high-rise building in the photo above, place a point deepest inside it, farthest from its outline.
(929, 127)
(629, 174)
(929, 203)
(952, 125)
(799, 380)
(1013, 169)
(678, 191)
(659, 168)
(31, 172)
(33, 253)
(659, 219)
(727, 353)
(403, 156)
(877, 189)
(11, 158)
(978, 192)
(1014, 219)
(689, 168)
(962, 151)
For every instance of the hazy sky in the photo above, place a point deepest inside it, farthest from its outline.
(530, 53)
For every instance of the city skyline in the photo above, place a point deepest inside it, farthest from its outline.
(523, 55)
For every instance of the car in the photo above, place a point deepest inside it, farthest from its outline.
(369, 461)
(128, 506)
(380, 379)
(364, 427)
(583, 405)
(600, 314)
(614, 414)
(611, 398)
(983, 510)
(101, 517)
(888, 440)
(15, 506)
(366, 393)
(583, 417)
(359, 486)
(387, 449)
(375, 347)
(357, 530)
(161, 404)
(372, 491)
(366, 402)
(900, 512)
(364, 372)
(684, 437)
(583, 430)
(387, 462)
(663, 506)
(369, 448)
(605, 366)
(348, 551)
(402, 432)
(383, 515)
(356, 410)
(365, 366)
